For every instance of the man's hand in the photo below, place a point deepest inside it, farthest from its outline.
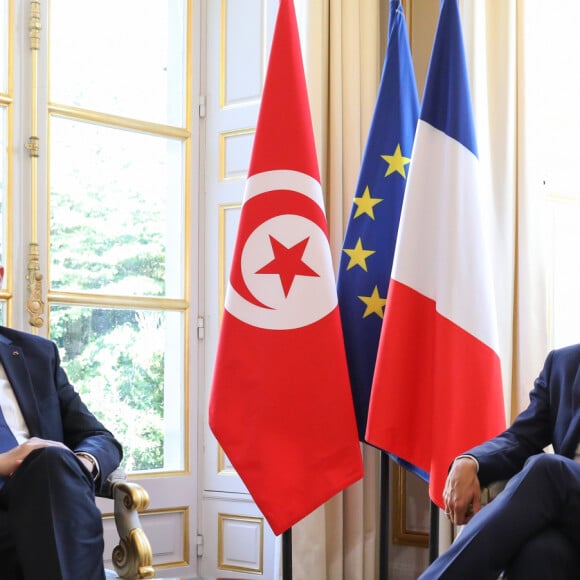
(87, 463)
(462, 493)
(10, 460)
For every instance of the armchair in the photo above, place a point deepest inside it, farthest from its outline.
(491, 491)
(132, 557)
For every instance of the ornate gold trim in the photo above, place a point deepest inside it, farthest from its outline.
(241, 569)
(34, 25)
(35, 302)
(132, 557)
(184, 510)
(402, 535)
(33, 146)
(134, 548)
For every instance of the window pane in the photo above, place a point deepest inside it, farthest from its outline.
(120, 57)
(127, 366)
(116, 211)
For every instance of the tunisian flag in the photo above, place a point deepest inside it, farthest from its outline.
(280, 404)
(437, 385)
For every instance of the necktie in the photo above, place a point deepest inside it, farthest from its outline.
(7, 442)
(7, 439)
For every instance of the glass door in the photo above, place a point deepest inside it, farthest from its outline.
(96, 124)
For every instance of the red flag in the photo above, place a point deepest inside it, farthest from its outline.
(280, 403)
(437, 385)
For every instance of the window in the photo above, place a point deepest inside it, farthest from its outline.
(118, 145)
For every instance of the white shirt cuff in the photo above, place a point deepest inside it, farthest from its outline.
(468, 457)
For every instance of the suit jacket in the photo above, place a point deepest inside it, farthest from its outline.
(553, 416)
(50, 405)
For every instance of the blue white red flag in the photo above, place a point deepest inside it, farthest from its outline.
(437, 386)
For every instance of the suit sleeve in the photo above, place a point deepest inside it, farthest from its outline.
(503, 456)
(82, 431)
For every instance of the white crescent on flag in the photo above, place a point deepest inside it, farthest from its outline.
(275, 298)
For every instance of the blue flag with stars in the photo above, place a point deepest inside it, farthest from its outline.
(369, 244)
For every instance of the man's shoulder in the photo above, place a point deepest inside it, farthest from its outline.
(566, 352)
(561, 360)
(22, 338)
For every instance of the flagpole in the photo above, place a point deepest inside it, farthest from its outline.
(434, 533)
(384, 519)
(287, 554)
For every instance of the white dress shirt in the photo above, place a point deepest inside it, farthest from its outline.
(11, 409)
(15, 419)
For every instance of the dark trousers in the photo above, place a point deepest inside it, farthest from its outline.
(50, 527)
(530, 531)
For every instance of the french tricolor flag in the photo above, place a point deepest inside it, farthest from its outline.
(437, 388)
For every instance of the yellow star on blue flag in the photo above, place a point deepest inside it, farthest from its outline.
(358, 256)
(374, 304)
(363, 277)
(397, 162)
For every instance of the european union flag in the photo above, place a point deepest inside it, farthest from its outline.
(369, 244)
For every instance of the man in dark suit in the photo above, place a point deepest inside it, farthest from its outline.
(532, 529)
(59, 456)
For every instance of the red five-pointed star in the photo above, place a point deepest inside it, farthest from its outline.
(287, 263)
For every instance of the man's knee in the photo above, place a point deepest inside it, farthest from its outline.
(546, 466)
(546, 461)
(54, 454)
(549, 554)
(52, 462)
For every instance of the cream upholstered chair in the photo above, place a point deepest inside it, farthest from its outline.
(132, 557)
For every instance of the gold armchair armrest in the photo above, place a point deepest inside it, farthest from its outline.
(132, 557)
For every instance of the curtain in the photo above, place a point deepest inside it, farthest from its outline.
(489, 30)
(532, 335)
(494, 39)
(495, 49)
(343, 45)
(343, 49)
